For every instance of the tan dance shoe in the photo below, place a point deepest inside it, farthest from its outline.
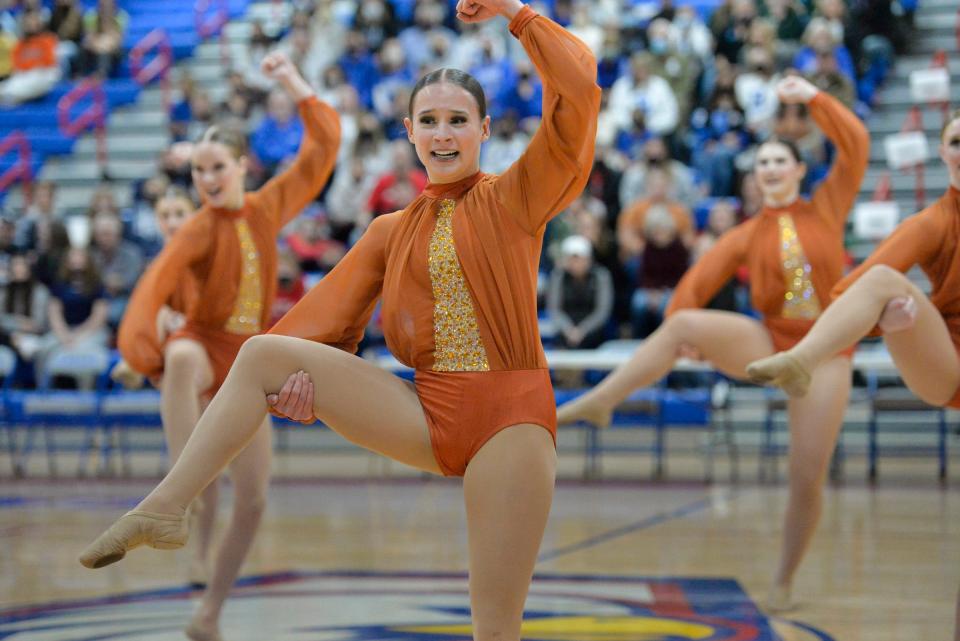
(782, 370)
(133, 529)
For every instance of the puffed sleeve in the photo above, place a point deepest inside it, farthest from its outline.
(834, 197)
(286, 194)
(137, 337)
(337, 309)
(705, 278)
(556, 165)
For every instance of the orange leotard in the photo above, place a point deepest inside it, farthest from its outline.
(930, 239)
(457, 269)
(794, 254)
(232, 256)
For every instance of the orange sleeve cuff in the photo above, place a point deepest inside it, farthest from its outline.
(523, 17)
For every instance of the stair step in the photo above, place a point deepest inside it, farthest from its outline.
(146, 144)
(75, 199)
(899, 95)
(81, 172)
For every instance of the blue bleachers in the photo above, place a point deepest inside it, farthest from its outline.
(38, 119)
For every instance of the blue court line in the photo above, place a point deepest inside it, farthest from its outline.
(623, 530)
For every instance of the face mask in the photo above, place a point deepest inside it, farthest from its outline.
(659, 46)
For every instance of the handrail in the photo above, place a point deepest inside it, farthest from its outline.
(93, 117)
(210, 24)
(20, 169)
(158, 43)
(881, 193)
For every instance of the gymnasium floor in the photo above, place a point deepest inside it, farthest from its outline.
(384, 560)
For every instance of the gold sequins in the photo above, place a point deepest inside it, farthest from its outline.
(248, 307)
(800, 299)
(458, 347)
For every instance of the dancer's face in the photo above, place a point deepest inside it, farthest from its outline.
(950, 151)
(446, 129)
(218, 175)
(171, 213)
(778, 173)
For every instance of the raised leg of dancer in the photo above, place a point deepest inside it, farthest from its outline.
(379, 412)
(815, 423)
(729, 341)
(923, 351)
(188, 372)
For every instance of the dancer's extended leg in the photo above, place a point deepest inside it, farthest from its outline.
(508, 488)
(365, 404)
(727, 340)
(924, 353)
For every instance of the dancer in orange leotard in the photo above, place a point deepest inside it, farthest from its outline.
(457, 273)
(922, 334)
(228, 249)
(794, 251)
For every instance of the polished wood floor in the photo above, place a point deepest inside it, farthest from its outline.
(885, 565)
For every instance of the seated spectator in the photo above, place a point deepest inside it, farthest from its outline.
(656, 155)
(632, 220)
(663, 260)
(348, 197)
(23, 309)
(118, 261)
(310, 243)
(821, 38)
(651, 94)
(35, 67)
(505, 146)
(829, 77)
(77, 310)
(398, 187)
(42, 207)
(789, 18)
(277, 138)
(690, 35)
(580, 296)
(756, 90)
(721, 219)
(730, 25)
(103, 31)
(427, 29)
(8, 41)
(679, 68)
(291, 285)
(8, 247)
(66, 22)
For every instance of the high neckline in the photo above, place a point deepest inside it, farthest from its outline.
(779, 209)
(230, 213)
(452, 190)
(953, 191)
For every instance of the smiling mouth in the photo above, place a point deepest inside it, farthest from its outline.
(444, 155)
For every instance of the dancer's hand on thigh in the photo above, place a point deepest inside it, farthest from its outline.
(295, 399)
(899, 314)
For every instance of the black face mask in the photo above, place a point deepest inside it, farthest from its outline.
(285, 281)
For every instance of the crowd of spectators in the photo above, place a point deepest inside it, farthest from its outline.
(41, 45)
(687, 96)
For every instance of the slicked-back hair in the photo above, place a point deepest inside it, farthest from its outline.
(455, 77)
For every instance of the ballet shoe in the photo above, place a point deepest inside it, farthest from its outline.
(133, 529)
(780, 599)
(782, 370)
(196, 633)
(580, 409)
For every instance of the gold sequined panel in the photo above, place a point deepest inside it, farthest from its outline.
(456, 335)
(248, 307)
(800, 299)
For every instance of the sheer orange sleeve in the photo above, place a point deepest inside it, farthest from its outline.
(137, 338)
(836, 194)
(556, 165)
(702, 281)
(285, 195)
(915, 240)
(337, 309)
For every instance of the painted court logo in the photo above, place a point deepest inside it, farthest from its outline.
(351, 606)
